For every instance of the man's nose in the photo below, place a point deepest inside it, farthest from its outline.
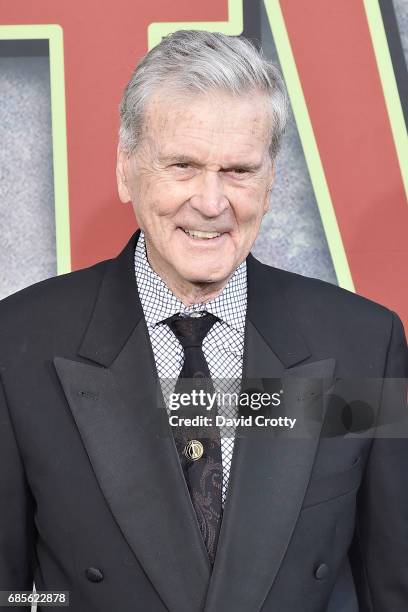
(209, 198)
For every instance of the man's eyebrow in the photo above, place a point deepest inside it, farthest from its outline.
(243, 166)
(188, 159)
(175, 158)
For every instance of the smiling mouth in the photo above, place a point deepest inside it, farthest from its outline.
(199, 235)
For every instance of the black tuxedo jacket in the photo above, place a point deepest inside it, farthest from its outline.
(92, 496)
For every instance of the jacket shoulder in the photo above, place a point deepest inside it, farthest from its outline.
(321, 296)
(336, 322)
(53, 297)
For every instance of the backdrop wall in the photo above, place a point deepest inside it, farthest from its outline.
(339, 203)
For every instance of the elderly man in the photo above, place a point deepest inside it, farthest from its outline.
(101, 494)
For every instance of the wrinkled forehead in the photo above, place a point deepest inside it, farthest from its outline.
(204, 121)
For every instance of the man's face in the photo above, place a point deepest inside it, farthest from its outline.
(202, 165)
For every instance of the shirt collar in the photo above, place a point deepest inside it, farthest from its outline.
(159, 302)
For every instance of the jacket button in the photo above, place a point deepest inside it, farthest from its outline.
(321, 572)
(94, 574)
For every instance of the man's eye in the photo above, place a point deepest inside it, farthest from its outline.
(238, 171)
(182, 165)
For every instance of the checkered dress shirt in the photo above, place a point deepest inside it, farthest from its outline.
(223, 346)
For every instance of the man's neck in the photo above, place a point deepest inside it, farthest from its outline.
(192, 293)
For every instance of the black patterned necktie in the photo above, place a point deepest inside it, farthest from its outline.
(200, 458)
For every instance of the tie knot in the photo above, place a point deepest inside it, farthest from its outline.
(191, 331)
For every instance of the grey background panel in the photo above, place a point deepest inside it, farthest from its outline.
(292, 235)
(27, 218)
(401, 13)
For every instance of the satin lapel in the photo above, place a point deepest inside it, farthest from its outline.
(269, 473)
(119, 412)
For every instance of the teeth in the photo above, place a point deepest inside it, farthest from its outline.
(198, 234)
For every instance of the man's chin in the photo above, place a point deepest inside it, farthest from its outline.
(209, 277)
(202, 273)
(203, 267)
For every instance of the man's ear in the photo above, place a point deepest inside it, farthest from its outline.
(121, 176)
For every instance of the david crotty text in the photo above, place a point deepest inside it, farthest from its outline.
(222, 421)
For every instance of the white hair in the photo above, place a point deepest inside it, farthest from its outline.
(195, 61)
